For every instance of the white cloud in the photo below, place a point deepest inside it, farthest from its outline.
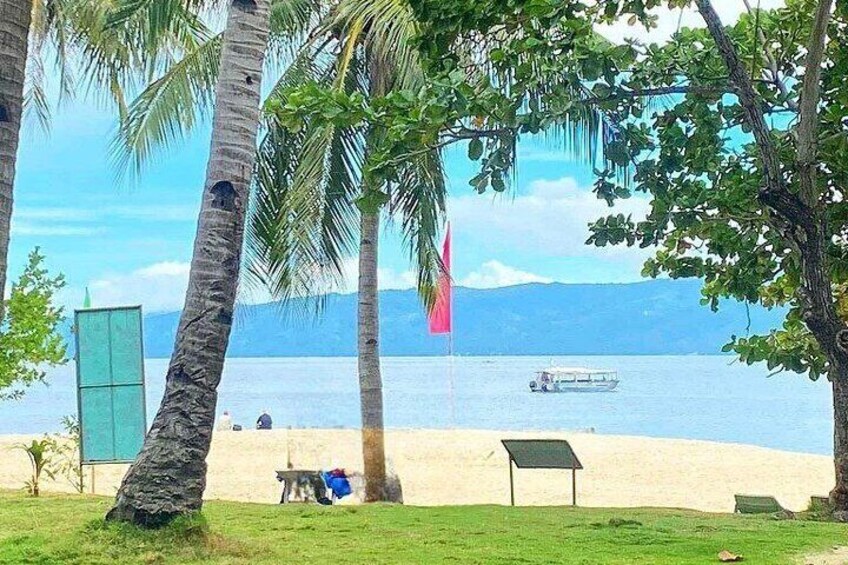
(172, 213)
(159, 287)
(387, 278)
(157, 213)
(165, 269)
(668, 21)
(494, 274)
(550, 220)
(47, 221)
(52, 229)
(60, 214)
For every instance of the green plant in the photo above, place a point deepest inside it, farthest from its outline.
(67, 447)
(39, 457)
(29, 323)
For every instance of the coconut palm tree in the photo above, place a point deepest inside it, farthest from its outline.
(31, 31)
(15, 19)
(315, 176)
(169, 475)
(311, 208)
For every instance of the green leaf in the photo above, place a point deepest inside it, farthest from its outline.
(498, 184)
(475, 149)
(371, 201)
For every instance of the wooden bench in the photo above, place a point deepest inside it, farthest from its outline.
(302, 484)
(819, 502)
(751, 504)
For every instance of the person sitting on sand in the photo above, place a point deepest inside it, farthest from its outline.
(264, 421)
(225, 423)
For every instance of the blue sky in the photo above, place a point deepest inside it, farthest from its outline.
(131, 242)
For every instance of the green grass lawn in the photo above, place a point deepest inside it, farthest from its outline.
(69, 529)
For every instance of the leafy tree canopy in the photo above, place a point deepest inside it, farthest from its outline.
(29, 336)
(664, 122)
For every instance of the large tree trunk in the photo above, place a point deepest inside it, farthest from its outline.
(15, 18)
(839, 494)
(370, 381)
(169, 475)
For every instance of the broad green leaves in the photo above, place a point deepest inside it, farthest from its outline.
(29, 334)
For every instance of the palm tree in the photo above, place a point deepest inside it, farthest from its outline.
(311, 208)
(15, 18)
(27, 28)
(169, 475)
(316, 177)
(32, 30)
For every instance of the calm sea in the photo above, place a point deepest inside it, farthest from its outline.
(698, 397)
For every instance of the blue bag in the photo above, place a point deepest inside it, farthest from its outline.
(338, 484)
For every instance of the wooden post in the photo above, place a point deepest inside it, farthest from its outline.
(573, 486)
(511, 487)
(288, 449)
(93, 467)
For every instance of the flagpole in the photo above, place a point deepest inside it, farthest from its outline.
(450, 373)
(450, 350)
(440, 318)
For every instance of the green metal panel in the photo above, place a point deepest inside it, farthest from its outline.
(97, 424)
(125, 339)
(93, 348)
(542, 454)
(110, 380)
(130, 428)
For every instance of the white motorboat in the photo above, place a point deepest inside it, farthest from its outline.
(574, 379)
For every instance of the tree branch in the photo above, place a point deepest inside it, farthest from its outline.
(809, 115)
(802, 225)
(773, 69)
(661, 91)
(747, 96)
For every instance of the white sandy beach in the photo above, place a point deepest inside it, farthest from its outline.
(442, 467)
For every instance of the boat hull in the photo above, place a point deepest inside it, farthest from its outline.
(602, 386)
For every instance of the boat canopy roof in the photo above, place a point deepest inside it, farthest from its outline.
(576, 371)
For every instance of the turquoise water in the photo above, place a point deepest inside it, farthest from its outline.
(698, 397)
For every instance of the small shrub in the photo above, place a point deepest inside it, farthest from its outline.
(67, 448)
(39, 457)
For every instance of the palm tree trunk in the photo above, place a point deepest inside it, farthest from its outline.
(370, 381)
(15, 16)
(169, 475)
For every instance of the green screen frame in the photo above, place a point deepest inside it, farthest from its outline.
(129, 383)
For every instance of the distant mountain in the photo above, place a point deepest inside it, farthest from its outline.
(646, 318)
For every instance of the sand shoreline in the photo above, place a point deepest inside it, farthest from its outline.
(444, 467)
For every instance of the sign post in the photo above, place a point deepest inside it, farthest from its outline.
(542, 454)
(110, 384)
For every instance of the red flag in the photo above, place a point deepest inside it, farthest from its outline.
(440, 315)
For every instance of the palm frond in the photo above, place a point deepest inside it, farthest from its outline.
(292, 25)
(304, 223)
(126, 44)
(49, 33)
(36, 105)
(419, 204)
(388, 26)
(155, 25)
(169, 108)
